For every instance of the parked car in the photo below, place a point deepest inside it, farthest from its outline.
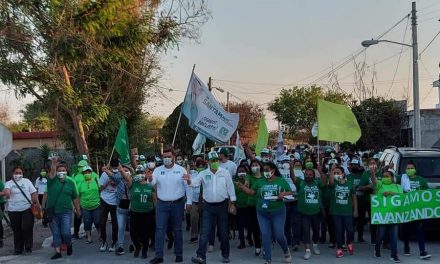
(428, 166)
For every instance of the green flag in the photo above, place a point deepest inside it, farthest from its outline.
(121, 143)
(337, 123)
(263, 136)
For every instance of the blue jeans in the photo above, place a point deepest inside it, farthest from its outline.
(91, 217)
(391, 230)
(122, 216)
(60, 227)
(292, 228)
(343, 224)
(164, 212)
(212, 213)
(272, 225)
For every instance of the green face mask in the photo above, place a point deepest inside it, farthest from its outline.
(387, 181)
(411, 172)
(309, 165)
(43, 174)
(199, 169)
(215, 165)
(87, 177)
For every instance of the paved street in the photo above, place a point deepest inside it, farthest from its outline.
(83, 254)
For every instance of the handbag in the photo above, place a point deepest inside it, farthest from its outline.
(50, 211)
(36, 210)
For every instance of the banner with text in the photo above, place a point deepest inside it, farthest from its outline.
(206, 115)
(403, 208)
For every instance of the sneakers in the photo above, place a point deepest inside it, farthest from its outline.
(424, 255)
(350, 249)
(120, 251)
(210, 248)
(339, 253)
(257, 252)
(156, 261)
(69, 250)
(56, 256)
(287, 257)
(331, 245)
(316, 250)
(178, 259)
(308, 254)
(377, 254)
(112, 248)
(103, 247)
(406, 252)
(75, 236)
(225, 260)
(395, 259)
(198, 260)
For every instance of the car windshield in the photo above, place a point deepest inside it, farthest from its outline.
(428, 167)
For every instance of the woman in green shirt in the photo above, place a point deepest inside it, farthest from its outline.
(88, 191)
(241, 203)
(386, 187)
(254, 233)
(142, 223)
(271, 211)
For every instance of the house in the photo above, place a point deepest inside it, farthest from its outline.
(30, 140)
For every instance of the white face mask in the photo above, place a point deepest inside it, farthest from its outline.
(17, 177)
(128, 173)
(255, 169)
(267, 174)
(265, 159)
(115, 170)
(179, 162)
(338, 177)
(167, 161)
(241, 174)
(286, 166)
(138, 177)
(151, 165)
(61, 174)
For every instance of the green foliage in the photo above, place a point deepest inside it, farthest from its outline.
(18, 127)
(144, 134)
(37, 116)
(296, 107)
(381, 122)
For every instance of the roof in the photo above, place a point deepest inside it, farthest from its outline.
(34, 135)
(419, 152)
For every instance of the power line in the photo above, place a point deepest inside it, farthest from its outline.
(432, 40)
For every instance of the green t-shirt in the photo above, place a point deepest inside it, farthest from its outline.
(66, 195)
(89, 194)
(309, 196)
(356, 180)
(366, 180)
(267, 193)
(141, 198)
(242, 198)
(2, 187)
(380, 188)
(252, 199)
(341, 198)
(416, 183)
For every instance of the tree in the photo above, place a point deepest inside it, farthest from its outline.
(4, 114)
(145, 136)
(37, 117)
(296, 107)
(91, 62)
(381, 122)
(250, 114)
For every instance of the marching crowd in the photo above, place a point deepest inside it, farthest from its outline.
(291, 200)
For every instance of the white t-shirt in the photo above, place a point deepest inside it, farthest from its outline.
(230, 166)
(17, 202)
(109, 193)
(41, 185)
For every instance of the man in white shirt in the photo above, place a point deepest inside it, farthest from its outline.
(225, 163)
(171, 191)
(218, 188)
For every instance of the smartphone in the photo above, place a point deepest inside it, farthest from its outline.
(52, 154)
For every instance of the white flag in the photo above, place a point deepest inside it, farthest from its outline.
(206, 115)
(198, 144)
(239, 151)
(315, 129)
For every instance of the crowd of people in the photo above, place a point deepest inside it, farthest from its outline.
(291, 200)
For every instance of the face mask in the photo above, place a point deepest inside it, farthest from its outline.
(167, 161)
(151, 165)
(87, 177)
(61, 175)
(267, 174)
(138, 178)
(241, 174)
(43, 174)
(115, 171)
(338, 177)
(286, 166)
(387, 181)
(199, 169)
(18, 177)
(179, 162)
(411, 172)
(255, 169)
(215, 165)
(298, 168)
(309, 165)
(265, 159)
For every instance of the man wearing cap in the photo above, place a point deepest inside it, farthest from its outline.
(225, 163)
(265, 155)
(123, 203)
(218, 190)
(171, 192)
(355, 177)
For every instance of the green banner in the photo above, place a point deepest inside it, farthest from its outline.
(403, 208)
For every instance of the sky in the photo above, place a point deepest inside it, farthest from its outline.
(255, 48)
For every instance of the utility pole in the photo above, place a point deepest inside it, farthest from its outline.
(210, 84)
(417, 137)
(227, 101)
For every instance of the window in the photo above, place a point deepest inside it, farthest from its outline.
(428, 167)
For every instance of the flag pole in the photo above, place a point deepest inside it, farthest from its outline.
(111, 155)
(180, 115)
